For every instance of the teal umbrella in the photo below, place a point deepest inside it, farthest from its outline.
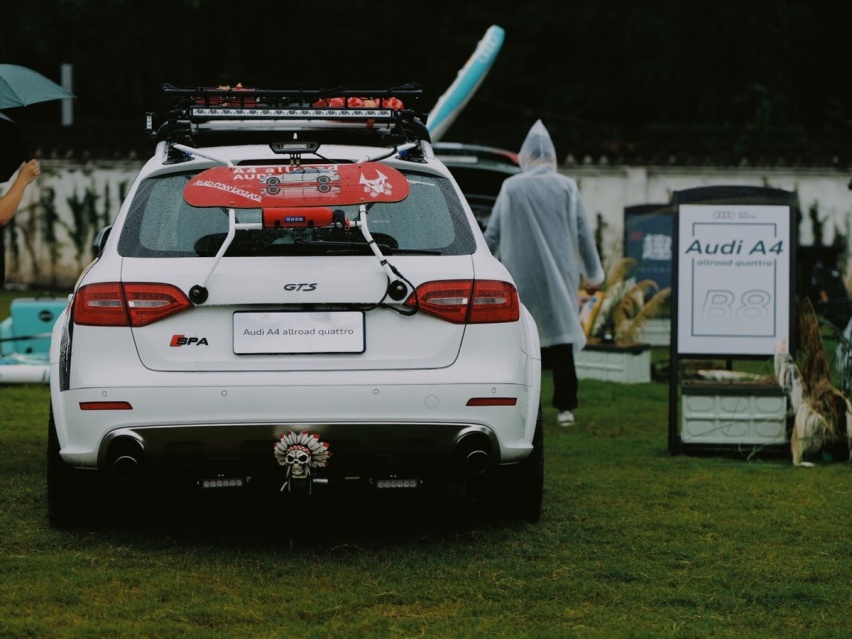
(20, 86)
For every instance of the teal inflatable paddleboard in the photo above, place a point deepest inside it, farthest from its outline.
(455, 98)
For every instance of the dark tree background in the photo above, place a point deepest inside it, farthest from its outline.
(641, 81)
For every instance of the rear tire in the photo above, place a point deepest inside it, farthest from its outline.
(515, 491)
(525, 489)
(73, 496)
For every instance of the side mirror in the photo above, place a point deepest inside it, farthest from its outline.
(100, 241)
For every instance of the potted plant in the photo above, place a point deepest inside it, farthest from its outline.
(613, 319)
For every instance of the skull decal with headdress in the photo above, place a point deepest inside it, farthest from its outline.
(301, 452)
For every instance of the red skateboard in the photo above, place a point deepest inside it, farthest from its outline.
(251, 187)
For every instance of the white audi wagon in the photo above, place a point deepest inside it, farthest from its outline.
(351, 332)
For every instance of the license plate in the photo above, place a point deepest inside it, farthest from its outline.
(291, 333)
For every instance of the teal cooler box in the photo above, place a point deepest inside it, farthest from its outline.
(27, 329)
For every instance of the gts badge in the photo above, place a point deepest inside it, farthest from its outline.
(183, 340)
(301, 287)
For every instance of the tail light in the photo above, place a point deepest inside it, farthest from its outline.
(120, 405)
(135, 304)
(468, 301)
(492, 401)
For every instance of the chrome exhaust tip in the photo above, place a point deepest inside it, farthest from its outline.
(477, 462)
(474, 453)
(126, 467)
(127, 455)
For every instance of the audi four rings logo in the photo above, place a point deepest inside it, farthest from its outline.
(300, 287)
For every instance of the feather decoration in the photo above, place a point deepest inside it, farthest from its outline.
(627, 304)
(649, 309)
(808, 433)
(822, 412)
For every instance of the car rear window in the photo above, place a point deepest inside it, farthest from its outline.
(160, 223)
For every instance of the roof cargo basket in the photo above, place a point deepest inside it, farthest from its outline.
(238, 114)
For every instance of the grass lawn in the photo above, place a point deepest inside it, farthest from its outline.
(633, 543)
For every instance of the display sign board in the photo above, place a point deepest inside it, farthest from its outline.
(734, 278)
(733, 288)
(648, 241)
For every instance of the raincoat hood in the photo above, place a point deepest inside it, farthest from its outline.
(537, 149)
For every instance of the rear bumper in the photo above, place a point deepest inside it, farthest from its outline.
(428, 418)
(204, 422)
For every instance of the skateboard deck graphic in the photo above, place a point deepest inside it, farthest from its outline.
(244, 187)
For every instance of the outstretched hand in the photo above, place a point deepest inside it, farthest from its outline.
(30, 171)
(10, 200)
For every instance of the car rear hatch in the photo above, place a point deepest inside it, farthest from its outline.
(221, 273)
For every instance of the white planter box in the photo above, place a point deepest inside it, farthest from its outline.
(733, 414)
(615, 363)
(657, 331)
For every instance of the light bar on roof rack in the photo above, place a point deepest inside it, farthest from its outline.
(259, 119)
(241, 118)
(287, 125)
(229, 113)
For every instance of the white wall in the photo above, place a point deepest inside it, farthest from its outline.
(34, 266)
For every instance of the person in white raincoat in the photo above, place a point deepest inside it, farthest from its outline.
(539, 230)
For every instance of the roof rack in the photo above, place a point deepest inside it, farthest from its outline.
(194, 113)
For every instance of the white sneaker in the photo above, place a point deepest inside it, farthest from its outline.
(566, 418)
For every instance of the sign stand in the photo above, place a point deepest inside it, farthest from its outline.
(733, 287)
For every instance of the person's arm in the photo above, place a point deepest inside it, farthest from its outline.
(591, 261)
(11, 200)
(492, 230)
